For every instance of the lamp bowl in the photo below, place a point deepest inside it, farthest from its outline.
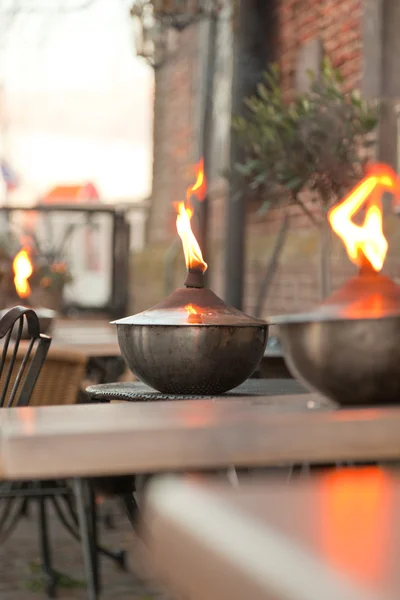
(354, 362)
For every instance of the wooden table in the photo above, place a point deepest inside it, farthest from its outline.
(113, 439)
(335, 537)
(95, 338)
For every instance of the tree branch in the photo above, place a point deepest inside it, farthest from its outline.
(272, 266)
(307, 212)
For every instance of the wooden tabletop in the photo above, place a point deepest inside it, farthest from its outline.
(107, 439)
(95, 338)
(333, 537)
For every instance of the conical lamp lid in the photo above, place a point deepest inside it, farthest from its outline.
(365, 296)
(192, 306)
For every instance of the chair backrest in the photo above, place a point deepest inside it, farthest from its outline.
(61, 378)
(20, 364)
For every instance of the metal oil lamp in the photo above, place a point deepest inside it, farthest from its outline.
(192, 342)
(348, 348)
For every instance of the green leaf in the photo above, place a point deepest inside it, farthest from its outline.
(263, 92)
(258, 181)
(247, 168)
(295, 183)
(243, 169)
(311, 75)
(262, 211)
(311, 143)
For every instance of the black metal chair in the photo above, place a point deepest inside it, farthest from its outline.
(20, 377)
(20, 367)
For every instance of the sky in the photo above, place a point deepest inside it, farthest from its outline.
(76, 100)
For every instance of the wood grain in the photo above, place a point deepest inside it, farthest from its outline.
(120, 438)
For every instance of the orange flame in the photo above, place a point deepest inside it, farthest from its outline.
(23, 269)
(193, 255)
(366, 241)
(199, 187)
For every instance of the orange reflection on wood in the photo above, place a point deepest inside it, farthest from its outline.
(356, 510)
(27, 417)
(203, 415)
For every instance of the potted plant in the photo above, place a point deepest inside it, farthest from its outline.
(307, 152)
(51, 270)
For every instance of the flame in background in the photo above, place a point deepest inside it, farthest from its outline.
(199, 188)
(193, 255)
(366, 241)
(23, 269)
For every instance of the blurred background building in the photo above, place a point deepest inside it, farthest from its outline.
(81, 105)
(359, 36)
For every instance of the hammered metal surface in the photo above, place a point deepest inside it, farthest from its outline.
(348, 348)
(354, 363)
(194, 360)
(192, 343)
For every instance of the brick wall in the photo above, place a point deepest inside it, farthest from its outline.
(338, 23)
